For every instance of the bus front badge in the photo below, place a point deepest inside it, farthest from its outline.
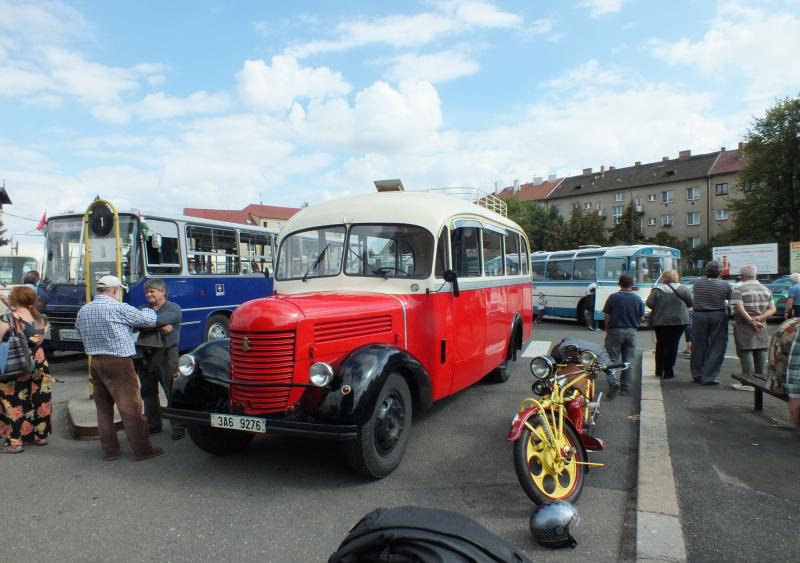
(245, 345)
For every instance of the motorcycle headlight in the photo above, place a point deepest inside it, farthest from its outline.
(588, 358)
(187, 365)
(320, 374)
(542, 367)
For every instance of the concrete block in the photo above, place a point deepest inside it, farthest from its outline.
(659, 538)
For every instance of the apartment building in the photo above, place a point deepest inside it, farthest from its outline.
(537, 190)
(688, 196)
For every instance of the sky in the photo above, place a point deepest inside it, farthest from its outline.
(165, 105)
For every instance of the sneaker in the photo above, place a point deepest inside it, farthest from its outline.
(709, 383)
(625, 392)
(9, 449)
(743, 387)
(40, 441)
(686, 353)
(612, 390)
(110, 457)
(149, 454)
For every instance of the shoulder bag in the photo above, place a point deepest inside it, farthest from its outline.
(15, 355)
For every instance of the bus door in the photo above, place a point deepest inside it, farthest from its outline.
(609, 271)
(468, 335)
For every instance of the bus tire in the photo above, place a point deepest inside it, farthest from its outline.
(216, 327)
(501, 373)
(382, 440)
(218, 442)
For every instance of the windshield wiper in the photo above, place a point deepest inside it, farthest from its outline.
(316, 261)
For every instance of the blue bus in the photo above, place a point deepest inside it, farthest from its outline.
(561, 278)
(210, 268)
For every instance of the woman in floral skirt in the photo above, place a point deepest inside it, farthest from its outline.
(25, 403)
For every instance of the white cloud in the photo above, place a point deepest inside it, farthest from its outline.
(455, 17)
(598, 8)
(116, 115)
(91, 82)
(276, 87)
(591, 73)
(44, 21)
(161, 106)
(760, 46)
(432, 67)
(22, 82)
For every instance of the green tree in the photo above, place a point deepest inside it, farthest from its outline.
(3, 240)
(544, 227)
(770, 208)
(584, 228)
(629, 228)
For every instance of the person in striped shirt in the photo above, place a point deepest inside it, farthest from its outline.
(709, 325)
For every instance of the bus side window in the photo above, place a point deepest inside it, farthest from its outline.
(559, 269)
(584, 269)
(441, 254)
(255, 251)
(538, 270)
(525, 257)
(492, 253)
(166, 257)
(512, 254)
(466, 251)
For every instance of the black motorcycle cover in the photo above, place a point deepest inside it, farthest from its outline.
(559, 351)
(409, 534)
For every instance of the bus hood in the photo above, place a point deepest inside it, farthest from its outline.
(283, 312)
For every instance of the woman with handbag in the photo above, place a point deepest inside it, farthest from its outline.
(25, 401)
(669, 303)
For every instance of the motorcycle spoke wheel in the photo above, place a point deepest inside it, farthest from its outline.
(544, 474)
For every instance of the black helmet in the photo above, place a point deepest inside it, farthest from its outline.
(550, 524)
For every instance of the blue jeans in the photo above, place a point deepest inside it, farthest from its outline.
(709, 342)
(621, 347)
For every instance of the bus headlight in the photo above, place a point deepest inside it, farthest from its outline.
(320, 374)
(187, 365)
(588, 358)
(542, 367)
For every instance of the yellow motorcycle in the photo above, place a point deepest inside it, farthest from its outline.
(552, 434)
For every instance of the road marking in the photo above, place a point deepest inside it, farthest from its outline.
(536, 348)
(659, 536)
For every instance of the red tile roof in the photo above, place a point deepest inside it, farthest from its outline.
(530, 192)
(243, 216)
(729, 162)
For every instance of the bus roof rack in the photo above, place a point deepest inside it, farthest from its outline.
(589, 246)
(476, 196)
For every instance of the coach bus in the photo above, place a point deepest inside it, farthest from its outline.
(561, 278)
(383, 303)
(209, 267)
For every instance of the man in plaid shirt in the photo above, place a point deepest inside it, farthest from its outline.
(106, 327)
(792, 385)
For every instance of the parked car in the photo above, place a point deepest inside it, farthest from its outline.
(780, 293)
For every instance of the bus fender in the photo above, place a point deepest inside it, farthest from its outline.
(365, 371)
(196, 392)
(515, 337)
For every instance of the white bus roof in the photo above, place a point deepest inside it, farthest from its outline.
(621, 250)
(426, 209)
(175, 217)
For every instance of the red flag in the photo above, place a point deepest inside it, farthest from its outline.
(42, 222)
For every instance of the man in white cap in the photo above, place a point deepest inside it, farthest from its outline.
(106, 326)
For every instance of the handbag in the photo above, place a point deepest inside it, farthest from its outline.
(150, 339)
(15, 355)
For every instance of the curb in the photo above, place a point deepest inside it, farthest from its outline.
(659, 534)
(82, 417)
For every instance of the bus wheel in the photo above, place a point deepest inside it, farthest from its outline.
(217, 327)
(218, 442)
(501, 373)
(382, 440)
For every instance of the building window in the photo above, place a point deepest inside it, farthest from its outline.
(619, 196)
(666, 197)
(722, 214)
(587, 205)
(651, 221)
(575, 205)
(667, 220)
(651, 197)
(694, 242)
(637, 201)
(693, 218)
(722, 189)
(692, 194)
(601, 209)
(616, 213)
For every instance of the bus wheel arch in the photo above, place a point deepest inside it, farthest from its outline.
(502, 373)
(217, 327)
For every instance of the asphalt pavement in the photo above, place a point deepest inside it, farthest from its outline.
(734, 474)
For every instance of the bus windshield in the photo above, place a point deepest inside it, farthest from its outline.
(14, 268)
(64, 251)
(311, 254)
(648, 269)
(389, 251)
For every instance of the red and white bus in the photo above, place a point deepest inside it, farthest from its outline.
(383, 304)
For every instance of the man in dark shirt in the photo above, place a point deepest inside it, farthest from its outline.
(624, 311)
(709, 325)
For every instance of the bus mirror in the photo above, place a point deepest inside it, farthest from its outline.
(450, 276)
(155, 241)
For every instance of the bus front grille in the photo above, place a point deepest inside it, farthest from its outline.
(263, 357)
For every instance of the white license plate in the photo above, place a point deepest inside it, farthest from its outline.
(236, 422)
(69, 334)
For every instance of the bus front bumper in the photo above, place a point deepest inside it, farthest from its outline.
(274, 426)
